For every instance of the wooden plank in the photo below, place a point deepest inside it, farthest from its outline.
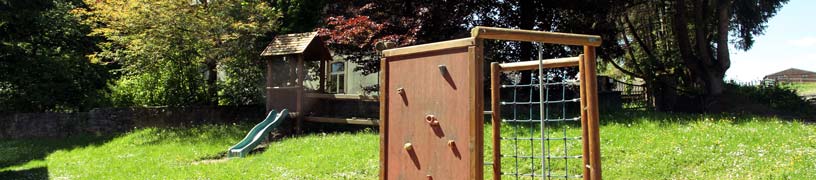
(533, 65)
(429, 47)
(383, 118)
(535, 36)
(584, 129)
(592, 112)
(495, 108)
(357, 121)
(359, 97)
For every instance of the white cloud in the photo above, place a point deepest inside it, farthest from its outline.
(806, 41)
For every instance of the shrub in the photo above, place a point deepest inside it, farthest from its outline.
(782, 99)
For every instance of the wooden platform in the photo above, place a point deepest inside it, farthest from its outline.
(357, 121)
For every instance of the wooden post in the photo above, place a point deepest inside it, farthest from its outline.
(268, 88)
(383, 118)
(495, 108)
(584, 131)
(299, 89)
(477, 77)
(322, 73)
(592, 112)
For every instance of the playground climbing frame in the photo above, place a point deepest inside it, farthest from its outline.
(432, 110)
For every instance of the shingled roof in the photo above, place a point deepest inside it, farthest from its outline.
(791, 71)
(308, 44)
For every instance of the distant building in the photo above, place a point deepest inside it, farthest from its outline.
(792, 75)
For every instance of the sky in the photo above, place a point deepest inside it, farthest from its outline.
(789, 42)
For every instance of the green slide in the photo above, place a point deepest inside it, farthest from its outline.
(257, 134)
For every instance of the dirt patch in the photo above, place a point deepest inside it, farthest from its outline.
(211, 161)
(222, 156)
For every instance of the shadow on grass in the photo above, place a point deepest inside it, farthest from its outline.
(33, 173)
(17, 152)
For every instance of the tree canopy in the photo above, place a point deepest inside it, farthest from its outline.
(68, 55)
(680, 48)
(42, 58)
(171, 51)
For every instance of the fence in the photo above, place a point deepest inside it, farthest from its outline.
(119, 120)
(633, 96)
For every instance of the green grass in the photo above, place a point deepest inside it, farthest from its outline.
(634, 146)
(803, 88)
(178, 154)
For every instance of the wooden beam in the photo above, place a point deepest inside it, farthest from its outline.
(584, 129)
(495, 108)
(533, 65)
(592, 112)
(535, 36)
(429, 47)
(357, 121)
(383, 117)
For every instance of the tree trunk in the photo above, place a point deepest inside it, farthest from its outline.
(724, 18)
(716, 71)
(212, 83)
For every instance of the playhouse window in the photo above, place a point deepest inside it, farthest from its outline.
(337, 79)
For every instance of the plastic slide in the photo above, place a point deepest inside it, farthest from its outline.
(257, 134)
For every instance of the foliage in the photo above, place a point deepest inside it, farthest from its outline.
(42, 58)
(299, 15)
(353, 28)
(635, 145)
(244, 83)
(160, 88)
(171, 51)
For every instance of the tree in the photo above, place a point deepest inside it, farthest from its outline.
(353, 28)
(707, 58)
(299, 15)
(681, 48)
(171, 51)
(42, 59)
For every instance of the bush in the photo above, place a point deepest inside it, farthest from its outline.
(782, 99)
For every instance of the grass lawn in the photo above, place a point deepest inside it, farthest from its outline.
(803, 88)
(634, 146)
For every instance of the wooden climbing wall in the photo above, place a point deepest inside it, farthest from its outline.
(432, 112)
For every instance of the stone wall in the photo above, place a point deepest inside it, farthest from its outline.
(119, 120)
